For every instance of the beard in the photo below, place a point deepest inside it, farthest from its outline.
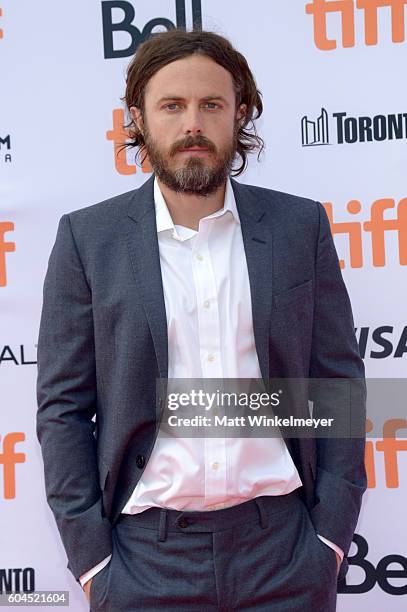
(196, 175)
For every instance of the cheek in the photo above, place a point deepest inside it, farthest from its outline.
(162, 136)
(225, 126)
(223, 135)
(168, 130)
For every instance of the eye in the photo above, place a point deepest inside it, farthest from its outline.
(171, 104)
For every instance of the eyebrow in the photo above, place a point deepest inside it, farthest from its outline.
(181, 99)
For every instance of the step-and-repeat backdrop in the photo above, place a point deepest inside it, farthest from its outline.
(333, 78)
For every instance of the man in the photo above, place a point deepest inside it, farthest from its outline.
(195, 275)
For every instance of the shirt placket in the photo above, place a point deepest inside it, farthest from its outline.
(210, 356)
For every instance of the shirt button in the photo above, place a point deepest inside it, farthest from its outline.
(215, 465)
(211, 357)
(206, 304)
(182, 522)
(199, 257)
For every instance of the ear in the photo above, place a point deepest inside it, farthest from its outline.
(137, 118)
(241, 113)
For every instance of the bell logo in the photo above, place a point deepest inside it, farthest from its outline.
(9, 458)
(5, 247)
(137, 36)
(320, 8)
(387, 574)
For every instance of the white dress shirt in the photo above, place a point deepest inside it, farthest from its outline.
(210, 335)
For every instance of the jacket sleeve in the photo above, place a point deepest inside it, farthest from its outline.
(341, 475)
(66, 395)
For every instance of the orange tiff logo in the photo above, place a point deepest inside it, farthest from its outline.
(5, 247)
(118, 135)
(376, 226)
(9, 458)
(1, 30)
(389, 446)
(346, 8)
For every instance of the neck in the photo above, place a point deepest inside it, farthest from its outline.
(188, 209)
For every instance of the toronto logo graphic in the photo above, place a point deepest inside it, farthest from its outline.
(351, 130)
(315, 132)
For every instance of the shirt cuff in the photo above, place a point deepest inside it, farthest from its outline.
(332, 545)
(92, 572)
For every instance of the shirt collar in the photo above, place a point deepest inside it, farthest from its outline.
(163, 217)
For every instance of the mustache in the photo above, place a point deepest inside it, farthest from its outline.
(193, 141)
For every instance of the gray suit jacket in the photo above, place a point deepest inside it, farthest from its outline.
(103, 342)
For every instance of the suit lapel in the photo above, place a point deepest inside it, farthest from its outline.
(142, 242)
(257, 242)
(255, 218)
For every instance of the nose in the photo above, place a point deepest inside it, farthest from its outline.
(193, 121)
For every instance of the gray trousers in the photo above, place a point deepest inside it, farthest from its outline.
(263, 554)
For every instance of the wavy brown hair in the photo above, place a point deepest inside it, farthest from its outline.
(166, 47)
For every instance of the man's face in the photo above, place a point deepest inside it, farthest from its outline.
(190, 124)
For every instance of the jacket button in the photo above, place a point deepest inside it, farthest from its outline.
(183, 522)
(140, 461)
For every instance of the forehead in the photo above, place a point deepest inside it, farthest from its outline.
(192, 76)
